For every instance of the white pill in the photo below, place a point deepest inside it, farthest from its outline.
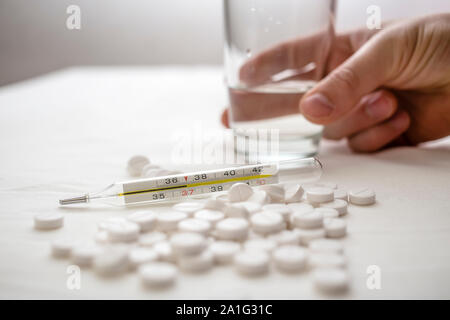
(111, 262)
(328, 213)
(145, 219)
(123, 232)
(300, 207)
(48, 221)
(319, 194)
(286, 237)
(158, 274)
(293, 193)
(145, 172)
(138, 256)
(331, 280)
(164, 251)
(215, 204)
(275, 192)
(266, 222)
(149, 239)
(251, 207)
(327, 259)
(187, 243)
(307, 235)
(280, 208)
(189, 207)
(240, 192)
(341, 194)
(224, 251)
(339, 205)
(61, 248)
(236, 210)
(252, 262)
(200, 226)
(168, 221)
(197, 263)
(232, 229)
(307, 220)
(264, 244)
(259, 196)
(136, 164)
(362, 197)
(83, 255)
(107, 223)
(335, 228)
(213, 216)
(326, 246)
(101, 237)
(290, 258)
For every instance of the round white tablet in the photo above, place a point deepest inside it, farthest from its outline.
(195, 225)
(327, 259)
(290, 258)
(275, 192)
(187, 243)
(254, 262)
(111, 262)
(327, 212)
(168, 221)
(251, 207)
(158, 274)
(293, 193)
(286, 237)
(237, 211)
(83, 254)
(136, 164)
(307, 235)
(164, 251)
(280, 208)
(61, 248)
(266, 222)
(335, 228)
(147, 169)
(362, 197)
(264, 244)
(197, 263)
(149, 239)
(308, 220)
(224, 251)
(341, 194)
(331, 280)
(339, 205)
(104, 225)
(213, 216)
(239, 192)
(215, 204)
(326, 246)
(189, 207)
(259, 196)
(232, 229)
(138, 256)
(123, 232)
(48, 221)
(300, 207)
(319, 194)
(145, 219)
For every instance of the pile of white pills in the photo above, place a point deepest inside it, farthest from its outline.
(286, 228)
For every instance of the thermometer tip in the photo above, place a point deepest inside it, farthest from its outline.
(81, 199)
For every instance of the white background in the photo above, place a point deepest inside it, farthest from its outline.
(34, 38)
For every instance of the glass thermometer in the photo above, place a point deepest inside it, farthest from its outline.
(185, 185)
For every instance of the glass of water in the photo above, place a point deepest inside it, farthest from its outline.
(275, 51)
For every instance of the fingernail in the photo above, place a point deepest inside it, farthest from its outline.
(378, 106)
(317, 106)
(400, 121)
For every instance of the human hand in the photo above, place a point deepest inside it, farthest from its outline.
(381, 88)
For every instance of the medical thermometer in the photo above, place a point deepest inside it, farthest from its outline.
(185, 185)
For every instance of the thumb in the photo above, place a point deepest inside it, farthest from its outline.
(339, 93)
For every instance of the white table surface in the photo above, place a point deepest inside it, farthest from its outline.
(73, 131)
